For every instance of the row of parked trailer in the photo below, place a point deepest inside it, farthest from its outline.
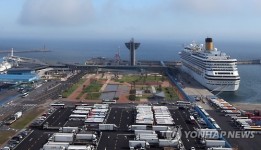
(144, 115)
(65, 146)
(150, 114)
(224, 106)
(160, 136)
(162, 115)
(247, 124)
(244, 123)
(98, 114)
(90, 114)
(211, 138)
(69, 138)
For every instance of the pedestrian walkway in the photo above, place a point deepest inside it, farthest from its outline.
(105, 84)
(193, 89)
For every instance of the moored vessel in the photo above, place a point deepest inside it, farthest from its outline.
(210, 67)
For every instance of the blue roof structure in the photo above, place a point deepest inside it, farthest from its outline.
(19, 75)
(20, 71)
(13, 78)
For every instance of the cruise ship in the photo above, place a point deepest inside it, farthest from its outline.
(210, 67)
(4, 65)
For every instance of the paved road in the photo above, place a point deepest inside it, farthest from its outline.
(121, 117)
(180, 117)
(34, 141)
(59, 117)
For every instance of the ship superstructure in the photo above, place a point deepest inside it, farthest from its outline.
(210, 67)
(4, 65)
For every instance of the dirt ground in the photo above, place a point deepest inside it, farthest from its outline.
(74, 95)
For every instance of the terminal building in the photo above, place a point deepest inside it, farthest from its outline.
(19, 75)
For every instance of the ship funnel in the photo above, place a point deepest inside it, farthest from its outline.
(209, 44)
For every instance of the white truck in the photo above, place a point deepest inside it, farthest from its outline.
(144, 132)
(138, 144)
(107, 127)
(160, 128)
(63, 137)
(215, 143)
(212, 134)
(168, 143)
(69, 129)
(137, 127)
(86, 137)
(18, 115)
(55, 146)
(150, 139)
(142, 136)
(80, 147)
(81, 112)
(219, 148)
(6, 148)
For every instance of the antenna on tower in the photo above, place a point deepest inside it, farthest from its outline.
(118, 57)
(119, 50)
(12, 52)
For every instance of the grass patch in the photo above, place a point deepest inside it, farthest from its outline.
(170, 94)
(93, 96)
(6, 135)
(94, 86)
(139, 78)
(146, 95)
(69, 91)
(92, 90)
(26, 119)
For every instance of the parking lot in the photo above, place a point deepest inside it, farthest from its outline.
(180, 117)
(34, 141)
(122, 116)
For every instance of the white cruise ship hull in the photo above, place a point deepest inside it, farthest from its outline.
(212, 87)
(4, 66)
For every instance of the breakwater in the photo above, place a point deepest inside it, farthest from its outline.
(252, 61)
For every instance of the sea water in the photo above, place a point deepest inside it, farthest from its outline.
(79, 51)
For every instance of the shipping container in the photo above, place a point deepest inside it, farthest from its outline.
(160, 128)
(168, 143)
(215, 143)
(107, 127)
(137, 127)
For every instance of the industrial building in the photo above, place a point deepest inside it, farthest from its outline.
(19, 75)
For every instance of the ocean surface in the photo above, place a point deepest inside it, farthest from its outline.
(78, 51)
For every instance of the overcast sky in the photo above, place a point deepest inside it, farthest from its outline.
(117, 19)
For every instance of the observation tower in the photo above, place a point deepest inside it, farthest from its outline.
(132, 46)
